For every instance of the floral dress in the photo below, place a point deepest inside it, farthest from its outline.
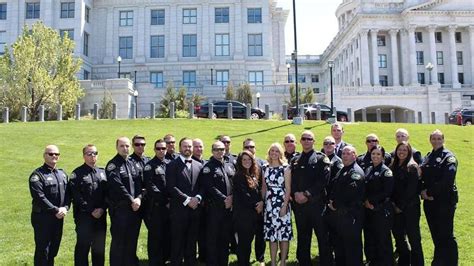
(276, 228)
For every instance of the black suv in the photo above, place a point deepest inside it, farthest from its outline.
(462, 117)
(239, 110)
(310, 112)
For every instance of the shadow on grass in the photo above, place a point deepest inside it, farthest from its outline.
(320, 125)
(260, 131)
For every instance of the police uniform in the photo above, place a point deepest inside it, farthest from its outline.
(171, 156)
(124, 185)
(347, 196)
(310, 173)
(378, 222)
(158, 215)
(230, 158)
(48, 188)
(88, 187)
(365, 160)
(438, 176)
(289, 156)
(217, 178)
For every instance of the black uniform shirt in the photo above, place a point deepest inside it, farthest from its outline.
(405, 187)
(124, 181)
(364, 160)
(378, 185)
(155, 180)
(88, 187)
(348, 189)
(336, 165)
(439, 173)
(217, 179)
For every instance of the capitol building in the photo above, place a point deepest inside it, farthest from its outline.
(414, 57)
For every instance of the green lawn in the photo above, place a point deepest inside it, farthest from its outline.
(22, 145)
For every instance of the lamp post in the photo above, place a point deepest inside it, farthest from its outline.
(429, 67)
(135, 94)
(294, 56)
(119, 60)
(212, 76)
(288, 68)
(331, 65)
(258, 99)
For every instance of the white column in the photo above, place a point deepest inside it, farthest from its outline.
(172, 28)
(238, 37)
(471, 50)
(109, 43)
(452, 56)
(412, 55)
(205, 38)
(375, 57)
(139, 26)
(364, 58)
(394, 49)
(432, 47)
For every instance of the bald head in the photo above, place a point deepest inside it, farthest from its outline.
(51, 155)
(123, 146)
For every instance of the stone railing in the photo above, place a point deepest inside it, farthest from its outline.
(417, 90)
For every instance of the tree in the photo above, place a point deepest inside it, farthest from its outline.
(244, 94)
(229, 92)
(181, 103)
(196, 99)
(106, 106)
(308, 96)
(166, 99)
(40, 69)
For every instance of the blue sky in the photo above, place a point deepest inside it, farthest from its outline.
(316, 24)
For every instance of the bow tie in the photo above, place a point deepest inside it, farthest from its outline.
(188, 161)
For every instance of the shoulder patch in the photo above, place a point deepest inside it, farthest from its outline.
(356, 176)
(147, 167)
(388, 173)
(111, 167)
(72, 176)
(206, 170)
(102, 176)
(34, 178)
(326, 160)
(451, 159)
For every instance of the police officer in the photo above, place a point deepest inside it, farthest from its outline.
(378, 210)
(364, 160)
(158, 215)
(440, 197)
(217, 177)
(310, 172)
(88, 187)
(48, 188)
(228, 156)
(401, 135)
(345, 202)
(125, 194)
(289, 142)
(170, 147)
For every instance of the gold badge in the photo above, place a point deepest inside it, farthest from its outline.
(147, 167)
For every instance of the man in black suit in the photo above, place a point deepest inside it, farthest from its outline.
(182, 182)
(337, 130)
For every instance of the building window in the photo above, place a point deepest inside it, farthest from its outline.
(189, 78)
(156, 78)
(85, 49)
(126, 18)
(32, 10)
(157, 46)
(420, 60)
(357, 64)
(189, 16)
(256, 77)
(222, 45)
(382, 61)
(383, 80)
(87, 75)
(421, 78)
(441, 78)
(290, 79)
(255, 45)
(439, 57)
(438, 37)
(314, 78)
(458, 37)
(316, 90)
(357, 44)
(380, 40)
(189, 45)
(302, 78)
(418, 37)
(125, 75)
(69, 32)
(158, 17)
(221, 15)
(459, 57)
(461, 78)
(126, 47)
(87, 14)
(3, 11)
(222, 77)
(3, 41)
(67, 10)
(254, 15)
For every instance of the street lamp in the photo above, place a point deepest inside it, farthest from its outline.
(294, 56)
(429, 67)
(119, 60)
(135, 94)
(331, 65)
(258, 99)
(288, 66)
(212, 76)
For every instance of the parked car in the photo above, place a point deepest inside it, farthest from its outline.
(310, 112)
(462, 116)
(239, 110)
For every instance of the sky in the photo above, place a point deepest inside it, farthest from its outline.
(316, 25)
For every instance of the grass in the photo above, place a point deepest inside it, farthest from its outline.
(23, 143)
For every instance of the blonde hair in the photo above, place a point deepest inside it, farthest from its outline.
(281, 159)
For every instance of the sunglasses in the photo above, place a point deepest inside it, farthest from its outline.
(139, 144)
(249, 147)
(92, 153)
(289, 141)
(226, 141)
(329, 143)
(51, 154)
(306, 139)
(170, 142)
(218, 149)
(372, 140)
(160, 148)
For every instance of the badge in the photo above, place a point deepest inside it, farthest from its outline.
(356, 176)
(438, 159)
(73, 176)
(160, 171)
(139, 165)
(326, 160)
(451, 159)
(34, 178)
(388, 173)
(206, 170)
(49, 178)
(102, 175)
(111, 167)
(376, 173)
(147, 167)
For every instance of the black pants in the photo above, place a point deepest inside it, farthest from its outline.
(407, 224)
(377, 227)
(348, 236)
(259, 244)
(218, 234)
(124, 229)
(309, 218)
(159, 235)
(202, 243)
(245, 225)
(90, 233)
(440, 218)
(184, 234)
(48, 231)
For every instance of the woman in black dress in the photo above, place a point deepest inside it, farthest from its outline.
(247, 204)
